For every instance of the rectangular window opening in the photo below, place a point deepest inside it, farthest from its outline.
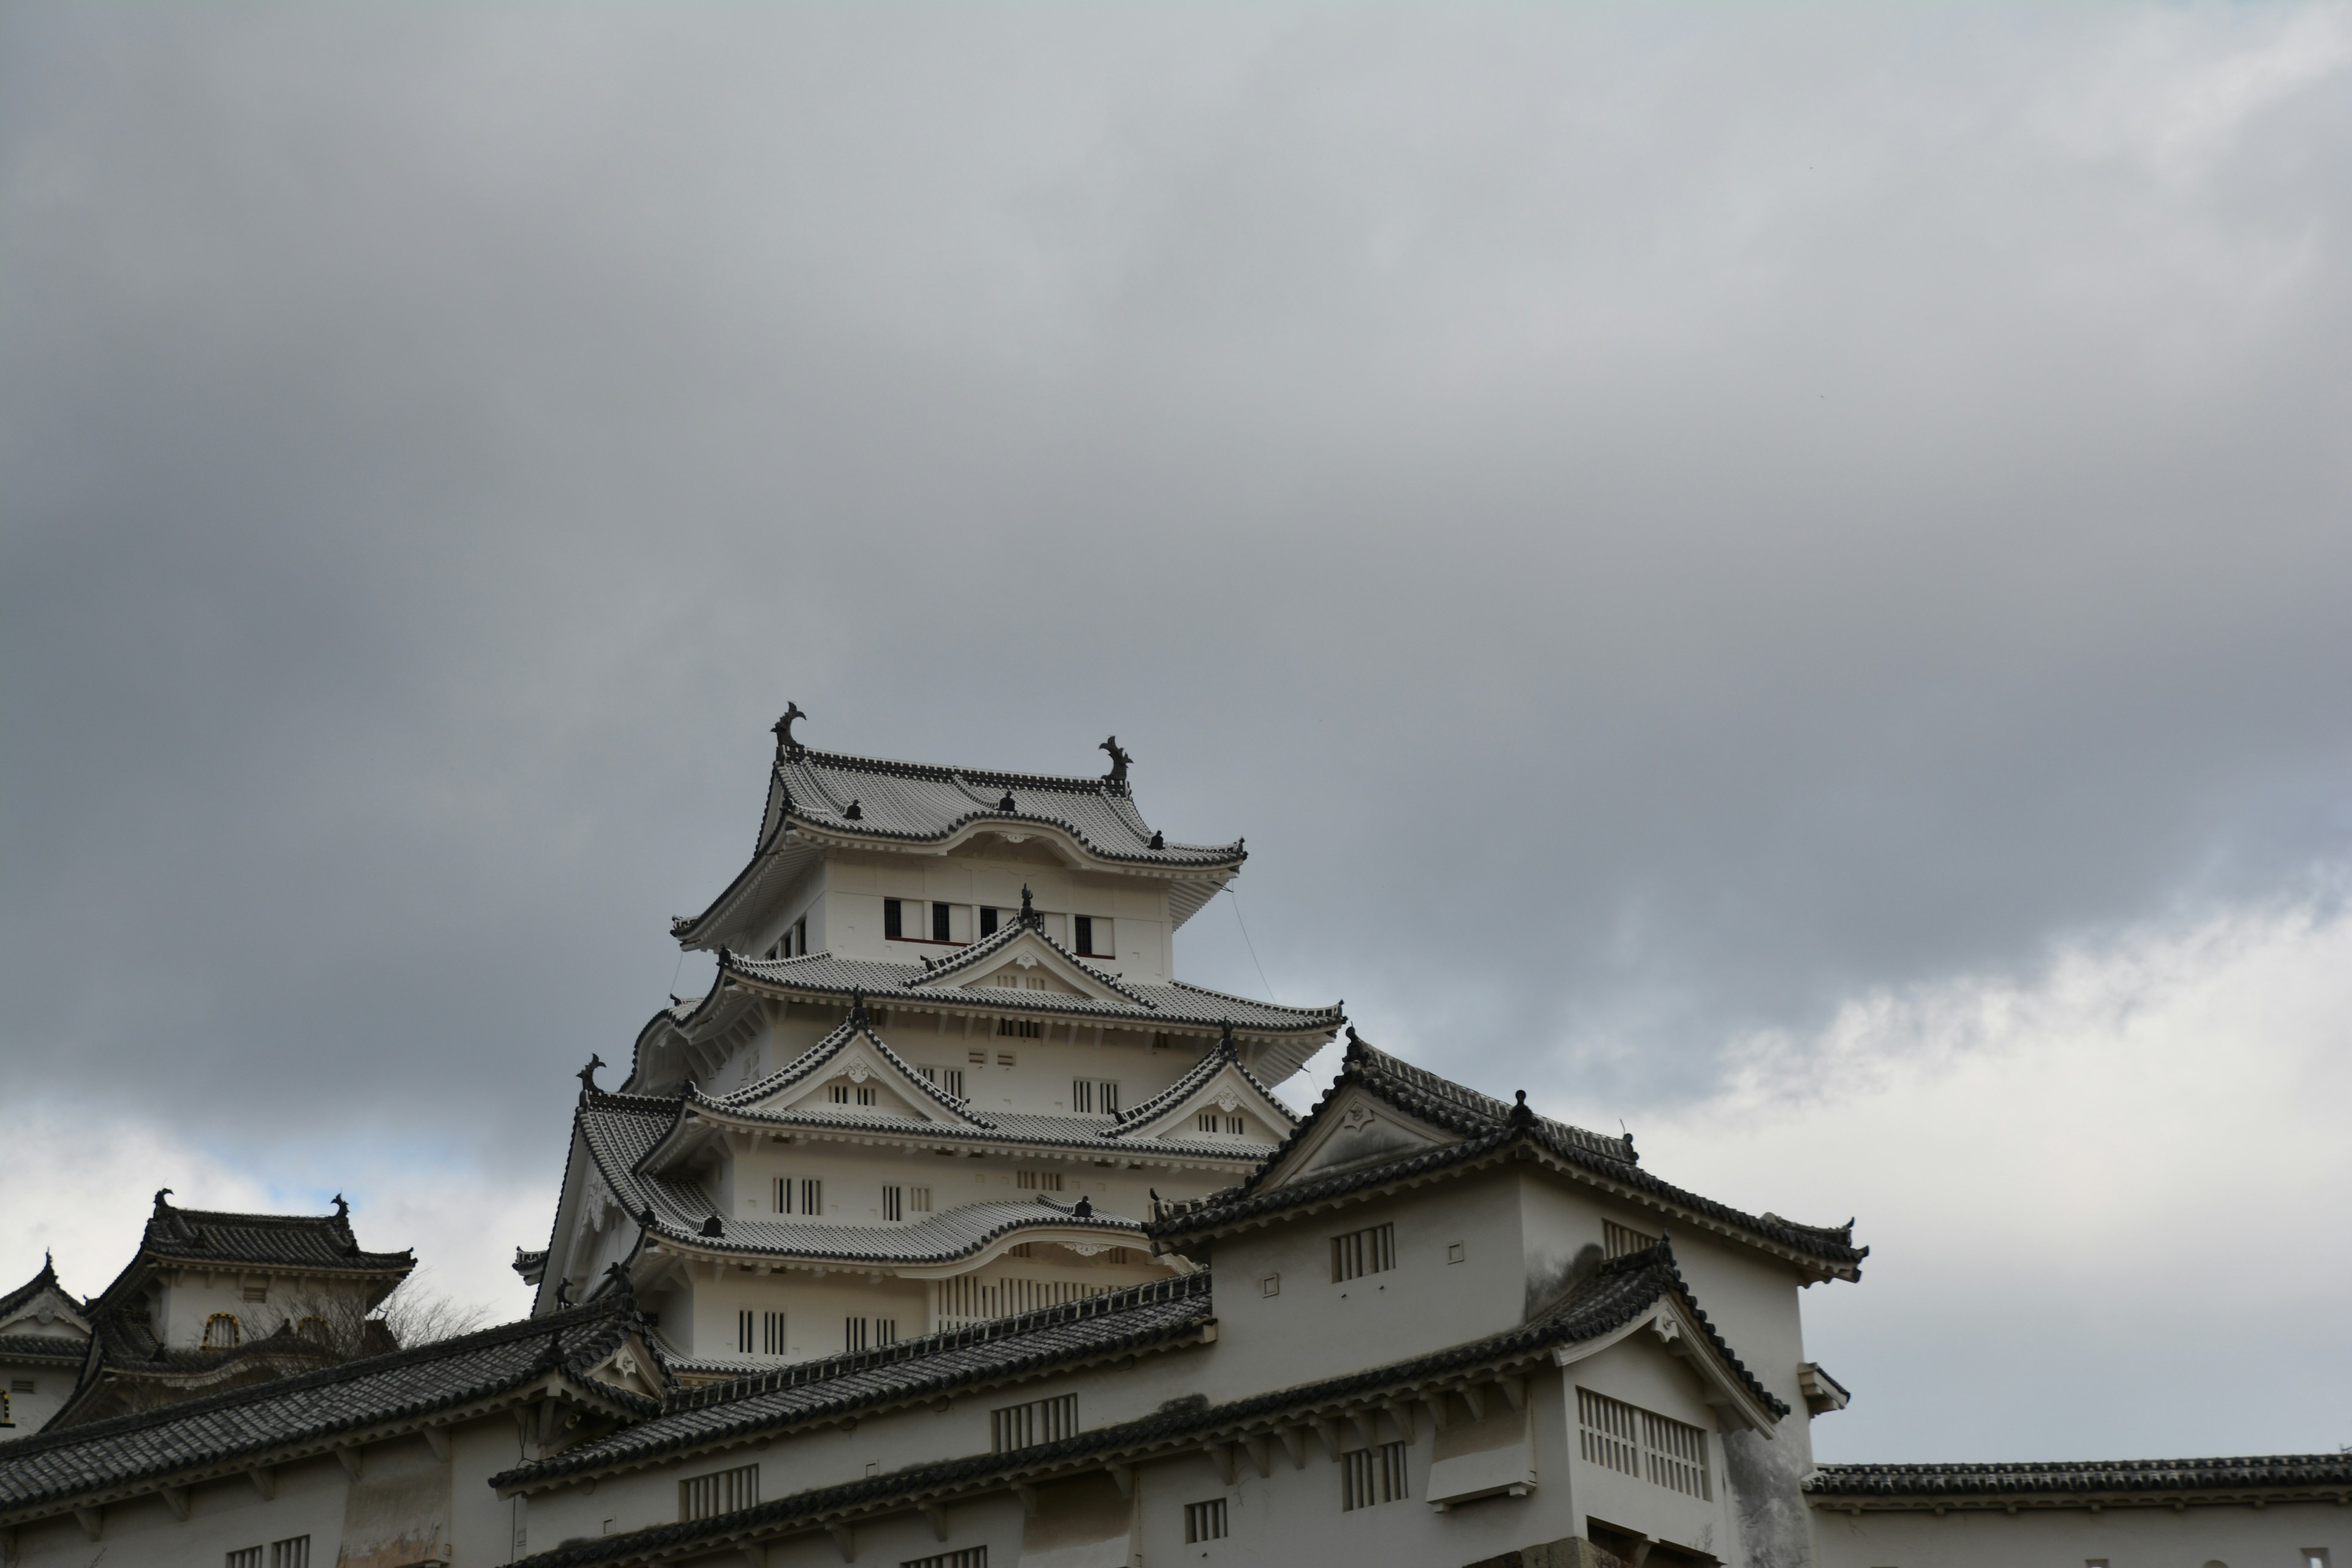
(804, 1195)
(1370, 1476)
(1038, 1181)
(1636, 1442)
(1371, 1250)
(969, 1557)
(1039, 1421)
(987, 921)
(1618, 1240)
(894, 1203)
(939, 922)
(722, 1492)
(294, 1552)
(894, 921)
(1204, 1520)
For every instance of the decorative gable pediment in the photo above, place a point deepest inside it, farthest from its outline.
(860, 1076)
(1029, 962)
(1356, 1129)
(1219, 1099)
(46, 1311)
(630, 1366)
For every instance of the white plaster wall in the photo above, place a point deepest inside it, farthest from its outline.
(1316, 1327)
(848, 906)
(223, 1516)
(2237, 1537)
(29, 1410)
(1638, 1373)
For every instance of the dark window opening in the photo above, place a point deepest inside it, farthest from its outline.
(987, 920)
(894, 926)
(938, 922)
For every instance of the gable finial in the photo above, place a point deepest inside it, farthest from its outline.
(1225, 1040)
(857, 1009)
(1116, 778)
(785, 740)
(1357, 1042)
(1159, 839)
(342, 1209)
(1029, 915)
(853, 812)
(588, 1074)
(1520, 1115)
(1008, 804)
(161, 1194)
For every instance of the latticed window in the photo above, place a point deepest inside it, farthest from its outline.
(312, 1328)
(1677, 1455)
(1371, 1476)
(245, 1557)
(1361, 1252)
(1204, 1520)
(1039, 1421)
(864, 1334)
(221, 1331)
(1617, 1240)
(1090, 1095)
(1038, 1181)
(1020, 1029)
(894, 1203)
(970, 1557)
(950, 1079)
(1637, 1442)
(1213, 1123)
(804, 1195)
(294, 1552)
(722, 1492)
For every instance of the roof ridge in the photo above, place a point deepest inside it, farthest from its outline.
(350, 1371)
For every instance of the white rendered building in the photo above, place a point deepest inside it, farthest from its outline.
(942, 1069)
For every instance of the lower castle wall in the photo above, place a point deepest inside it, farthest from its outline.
(2278, 1536)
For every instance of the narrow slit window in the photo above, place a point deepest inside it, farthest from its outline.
(294, 1552)
(744, 1323)
(800, 1195)
(1370, 1476)
(1371, 1250)
(772, 1334)
(918, 1200)
(894, 921)
(723, 1492)
(948, 1079)
(245, 1557)
(894, 1203)
(1204, 1520)
(1038, 1181)
(1039, 1421)
(940, 923)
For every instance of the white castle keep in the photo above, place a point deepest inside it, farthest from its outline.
(948, 1229)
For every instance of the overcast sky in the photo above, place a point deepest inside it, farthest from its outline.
(1780, 574)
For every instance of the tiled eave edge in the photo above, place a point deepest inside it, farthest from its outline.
(1260, 1431)
(1207, 862)
(2090, 1500)
(1108, 1151)
(1451, 1162)
(664, 1239)
(532, 1480)
(553, 1383)
(1041, 1005)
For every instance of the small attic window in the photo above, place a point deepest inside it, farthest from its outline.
(221, 1331)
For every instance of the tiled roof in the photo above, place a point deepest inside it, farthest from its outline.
(42, 1347)
(809, 1063)
(1485, 1126)
(1614, 1295)
(2053, 1483)
(844, 796)
(1176, 1093)
(619, 1129)
(1018, 1346)
(312, 1243)
(1155, 1004)
(54, 1467)
(46, 1279)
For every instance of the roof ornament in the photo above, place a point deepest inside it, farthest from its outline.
(1007, 803)
(857, 1019)
(712, 1227)
(1357, 1042)
(619, 1273)
(1029, 915)
(1116, 778)
(588, 1074)
(563, 1292)
(1086, 1209)
(1159, 839)
(853, 812)
(342, 1209)
(1520, 1115)
(1225, 1040)
(782, 730)
(161, 1194)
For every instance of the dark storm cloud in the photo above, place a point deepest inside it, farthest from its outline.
(1649, 524)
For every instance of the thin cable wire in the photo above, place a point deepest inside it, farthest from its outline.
(1262, 980)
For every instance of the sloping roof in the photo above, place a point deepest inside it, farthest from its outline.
(46, 1279)
(54, 1467)
(1076, 1331)
(881, 802)
(1158, 1004)
(43, 1347)
(620, 1129)
(309, 1243)
(1485, 1126)
(1613, 1295)
(2058, 1482)
(1176, 1093)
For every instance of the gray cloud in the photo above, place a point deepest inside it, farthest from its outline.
(1650, 523)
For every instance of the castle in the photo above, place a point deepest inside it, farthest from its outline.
(949, 1228)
